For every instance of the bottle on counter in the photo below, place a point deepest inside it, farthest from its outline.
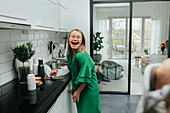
(32, 93)
(30, 66)
(35, 66)
(41, 68)
(60, 54)
(31, 82)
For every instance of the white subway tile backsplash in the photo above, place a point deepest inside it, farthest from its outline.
(49, 35)
(23, 37)
(12, 44)
(35, 43)
(37, 36)
(3, 68)
(37, 49)
(41, 55)
(26, 41)
(37, 55)
(4, 37)
(46, 36)
(44, 48)
(47, 59)
(45, 42)
(20, 43)
(42, 36)
(5, 57)
(6, 77)
(46, 54)
(2, 49)
(40, 42)
(7, 47)
(30, 36)
(52, 36)
(14, 37)
(10, 66)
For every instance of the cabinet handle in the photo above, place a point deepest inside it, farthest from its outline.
(13, 17)
(45, 26)
(62, 29)
(62, 6)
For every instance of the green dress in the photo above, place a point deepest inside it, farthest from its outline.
(83, 70)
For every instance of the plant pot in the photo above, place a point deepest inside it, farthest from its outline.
(97, 57)
(22, 75)
(162, 52)
(22, 72)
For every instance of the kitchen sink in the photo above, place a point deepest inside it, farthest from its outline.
(57, 63)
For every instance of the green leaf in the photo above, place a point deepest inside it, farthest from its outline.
(23, 52)
(97, 41)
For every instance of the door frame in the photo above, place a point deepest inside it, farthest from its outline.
(130, 32)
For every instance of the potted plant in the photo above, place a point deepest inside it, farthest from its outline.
(146, 51)
(23, 53)
(162, 47)
(97, 46)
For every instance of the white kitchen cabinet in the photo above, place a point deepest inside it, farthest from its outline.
(64, 102)
(66, 14)
(14, 11)
(46, 15)
(41, 14)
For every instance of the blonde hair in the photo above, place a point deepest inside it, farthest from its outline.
(82, 47)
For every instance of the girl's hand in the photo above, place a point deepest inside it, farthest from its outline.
(63, 67)
(76, 96)
(54, 72)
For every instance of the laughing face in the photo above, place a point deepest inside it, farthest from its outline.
(75, 40)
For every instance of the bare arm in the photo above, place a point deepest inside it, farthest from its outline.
(76, 94)
(54, 72)
(63, 66)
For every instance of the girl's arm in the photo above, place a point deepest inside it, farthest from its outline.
(54, 72)
(76, 94)
(63, 66)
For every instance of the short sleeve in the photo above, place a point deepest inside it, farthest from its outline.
(85, 73)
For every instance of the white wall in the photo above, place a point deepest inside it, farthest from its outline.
(11, 38)
(81, 19)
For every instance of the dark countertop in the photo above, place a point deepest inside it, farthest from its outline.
(14, 98)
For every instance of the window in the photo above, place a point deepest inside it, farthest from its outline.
(147, 35)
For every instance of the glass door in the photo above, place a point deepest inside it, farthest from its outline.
(111, 37)
(150, 28)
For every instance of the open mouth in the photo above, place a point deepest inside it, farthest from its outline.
(75, 43)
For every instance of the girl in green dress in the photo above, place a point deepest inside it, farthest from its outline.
(85, 89)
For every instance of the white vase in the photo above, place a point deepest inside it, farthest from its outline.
(22, 72)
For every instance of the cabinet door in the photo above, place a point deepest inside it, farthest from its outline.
(46, 14)
(66, 14)
(14, 11)
(41, 14)
(64, 102)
